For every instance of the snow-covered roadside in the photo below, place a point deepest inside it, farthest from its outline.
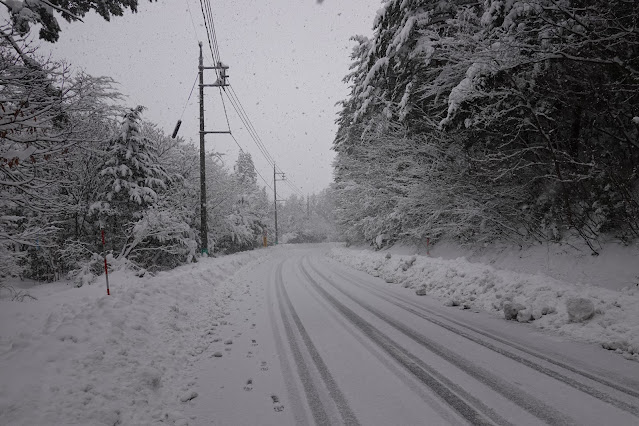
(458, 282)
(80, 357)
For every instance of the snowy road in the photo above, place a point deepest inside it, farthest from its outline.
(307, 340)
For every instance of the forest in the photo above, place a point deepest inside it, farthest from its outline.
(477, 121)
(75, 161)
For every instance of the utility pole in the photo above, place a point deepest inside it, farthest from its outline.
(204, 232)
(275, 200)
(220, 82)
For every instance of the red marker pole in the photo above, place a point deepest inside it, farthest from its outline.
(106, 269)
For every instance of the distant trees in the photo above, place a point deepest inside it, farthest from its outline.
(249, 209)
(308, 221)
(492, 120)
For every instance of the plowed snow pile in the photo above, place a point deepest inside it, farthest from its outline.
(542, 300)
(80, 357)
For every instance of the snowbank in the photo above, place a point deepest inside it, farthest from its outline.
(458, 282)
(79, 357)
(614, 268)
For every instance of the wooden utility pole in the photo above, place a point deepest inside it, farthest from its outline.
(220, 82)
(275, 200)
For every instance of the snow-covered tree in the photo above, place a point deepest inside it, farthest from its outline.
(248, 217)
(25, 13)
(482, 120)
(133, 177)
(132, 170)
(46, 113)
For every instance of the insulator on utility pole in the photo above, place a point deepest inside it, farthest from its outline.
(177, 127)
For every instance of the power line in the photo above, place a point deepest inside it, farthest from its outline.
(213, 33)
(234, 99)
(187, 101)
(260, 143)
(250, 130)
(259, 140)
(239, 109)
(256, 171)
(295, 189)
(188, 7)
(208, 33)
(228, 124)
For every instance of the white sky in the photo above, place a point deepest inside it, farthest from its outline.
(287, 59)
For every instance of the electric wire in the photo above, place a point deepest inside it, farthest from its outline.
(215, 49)
(188, 7)
(213, 46)
(190, 94)
(256, 171)
(295, 189)
(208, 33)
(234, 99)
(213, 32)
(225, 113)
(236, 141)
(261, 148)
(249, 126)
(259, 140)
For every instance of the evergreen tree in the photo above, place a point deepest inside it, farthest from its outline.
(133, 177)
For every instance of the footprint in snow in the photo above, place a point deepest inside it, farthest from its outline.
(276, 403)
(263, 366)
(253, 342)
(249, 355)
(249, 385)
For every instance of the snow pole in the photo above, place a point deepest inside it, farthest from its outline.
(106, 269)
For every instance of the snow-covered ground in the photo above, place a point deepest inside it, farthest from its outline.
(285, 336)
(479, 286)
(76, 356)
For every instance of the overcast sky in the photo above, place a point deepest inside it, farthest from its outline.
(287, 59)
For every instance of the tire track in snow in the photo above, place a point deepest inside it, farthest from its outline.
(428, 398)
(297, 405)
(452, 394)
(320, 415)
(427, 314)
(523, 399)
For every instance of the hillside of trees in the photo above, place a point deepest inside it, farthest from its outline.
(498, 119)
